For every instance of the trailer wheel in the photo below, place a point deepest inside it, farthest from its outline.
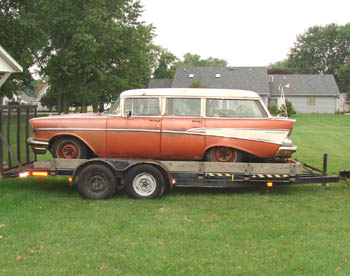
(223, 154)
(145, 182)
(97, 181)
(69, 148)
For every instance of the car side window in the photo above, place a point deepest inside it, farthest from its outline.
(234, 108)
(183, 107)
(142, 106)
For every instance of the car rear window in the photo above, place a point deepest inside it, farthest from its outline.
(234, 108)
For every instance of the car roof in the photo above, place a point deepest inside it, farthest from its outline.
(192, 92)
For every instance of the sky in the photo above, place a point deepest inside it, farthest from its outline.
(244, 32)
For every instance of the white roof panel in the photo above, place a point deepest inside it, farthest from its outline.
(195, 92)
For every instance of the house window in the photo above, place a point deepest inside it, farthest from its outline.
(311, 101)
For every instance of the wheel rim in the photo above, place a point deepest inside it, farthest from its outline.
(97, 183)
(223, 154)
(69, 151)
(144, 184)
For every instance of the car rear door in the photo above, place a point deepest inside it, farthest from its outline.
(182, 136)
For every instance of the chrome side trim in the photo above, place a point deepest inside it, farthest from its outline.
(214, 132)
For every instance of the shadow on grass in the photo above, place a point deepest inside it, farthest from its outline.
(59, 187)
(280, 190)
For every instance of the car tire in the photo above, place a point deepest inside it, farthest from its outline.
(223, 154)
(97, 181)
(145, 182)
(69, 148)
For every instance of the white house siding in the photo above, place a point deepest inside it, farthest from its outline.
(325, 104)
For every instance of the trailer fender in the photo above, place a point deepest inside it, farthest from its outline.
(89, 162)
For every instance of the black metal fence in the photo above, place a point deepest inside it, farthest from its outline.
(14, 132)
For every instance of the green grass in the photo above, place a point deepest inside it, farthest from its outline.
(47, 229)
(319, 133)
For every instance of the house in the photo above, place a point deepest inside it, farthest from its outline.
(160, 83)
(40, 91)
(246, 78)
(344, 102)
(308, 93)
(8, 65)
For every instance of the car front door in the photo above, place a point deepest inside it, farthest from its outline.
(137, 132)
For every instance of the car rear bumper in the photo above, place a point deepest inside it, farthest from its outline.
(39, 147)
(285, 151)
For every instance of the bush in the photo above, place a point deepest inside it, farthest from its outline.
(273, 108)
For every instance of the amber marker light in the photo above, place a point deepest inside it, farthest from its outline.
(269, 184)
(70, 179)
(40, 173)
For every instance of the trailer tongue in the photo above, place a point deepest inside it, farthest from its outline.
(101, 178)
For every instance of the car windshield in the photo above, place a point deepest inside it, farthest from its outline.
(115, 108)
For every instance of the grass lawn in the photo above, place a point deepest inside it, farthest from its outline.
(47, 229)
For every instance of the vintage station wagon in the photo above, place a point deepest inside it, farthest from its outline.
(170, 124)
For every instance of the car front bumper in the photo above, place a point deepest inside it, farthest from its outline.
(38, 147)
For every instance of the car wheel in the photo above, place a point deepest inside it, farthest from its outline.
(97, 181)
(223, 154)
(145, 182)
(69, 148)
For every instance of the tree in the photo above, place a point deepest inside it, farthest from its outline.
(89, 50)
(94, 50)
(344, 78)
(191, 60)
(20, 37)
(280, 67)
(320, 50)
(165, 64)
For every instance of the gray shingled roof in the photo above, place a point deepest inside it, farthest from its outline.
(323, 85)
(246, 78)
(160, 83)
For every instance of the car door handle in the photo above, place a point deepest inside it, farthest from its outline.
(155, 120)
(197, 121)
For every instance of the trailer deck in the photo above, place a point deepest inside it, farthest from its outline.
(141, 177)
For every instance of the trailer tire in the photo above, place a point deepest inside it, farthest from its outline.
(145, 182)
(97, 181)
(69, 148)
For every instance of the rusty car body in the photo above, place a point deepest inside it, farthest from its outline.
(170, 124)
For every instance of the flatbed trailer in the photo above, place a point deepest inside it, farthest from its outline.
(101, 178)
